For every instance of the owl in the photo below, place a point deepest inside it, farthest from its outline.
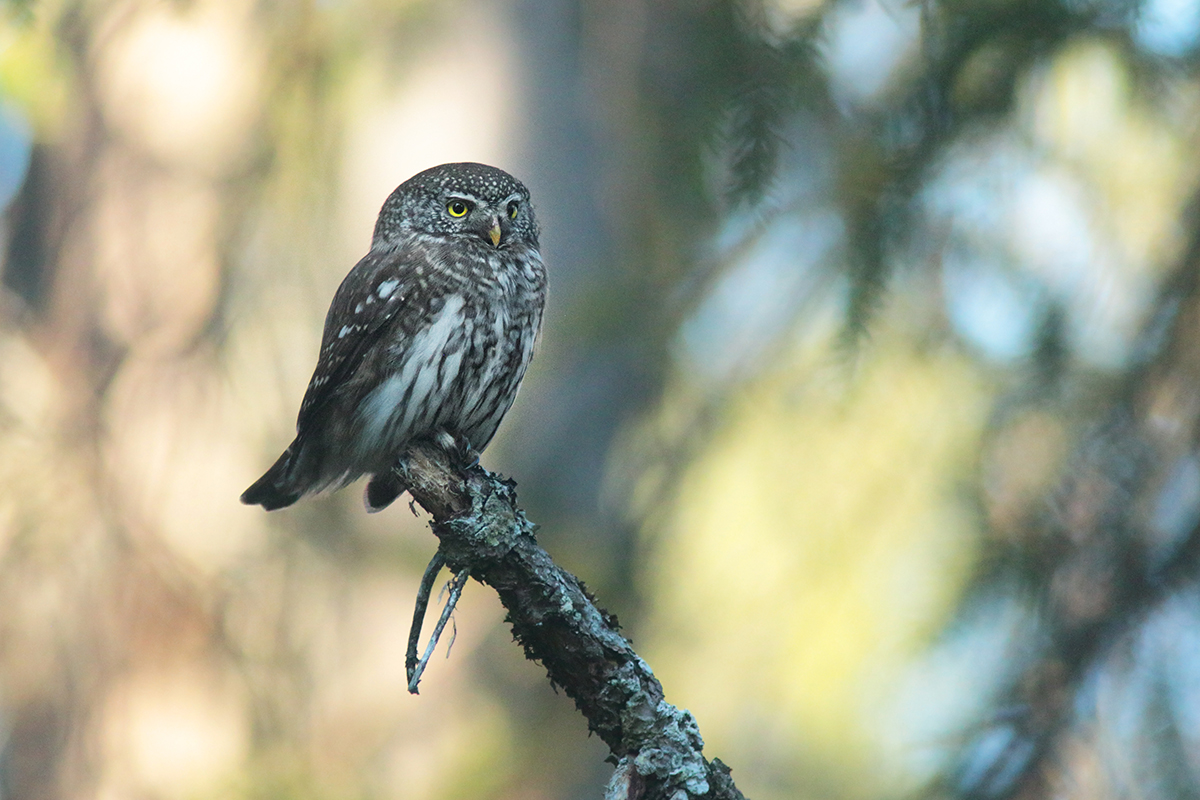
(427, 338)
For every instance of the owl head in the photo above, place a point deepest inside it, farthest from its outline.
(467, 201)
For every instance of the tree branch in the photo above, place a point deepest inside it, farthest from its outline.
(657, 746)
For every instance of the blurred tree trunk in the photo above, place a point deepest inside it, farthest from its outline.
(1116, 539)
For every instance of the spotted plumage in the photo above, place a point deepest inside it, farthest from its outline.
(428, 337)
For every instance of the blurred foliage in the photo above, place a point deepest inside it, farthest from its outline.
(868, 396)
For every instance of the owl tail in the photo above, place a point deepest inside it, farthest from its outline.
(382, 489)
(277, 487)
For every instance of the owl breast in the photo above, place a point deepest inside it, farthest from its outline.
(459, 373)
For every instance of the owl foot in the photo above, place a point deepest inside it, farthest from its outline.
(458, 448)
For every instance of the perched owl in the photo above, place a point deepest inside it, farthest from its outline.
(428, 337)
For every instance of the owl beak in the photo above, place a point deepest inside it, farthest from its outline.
(494, 232)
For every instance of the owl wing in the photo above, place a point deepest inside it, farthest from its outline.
(363, 311)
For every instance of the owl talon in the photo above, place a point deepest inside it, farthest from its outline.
(467, 455)
(458, 448)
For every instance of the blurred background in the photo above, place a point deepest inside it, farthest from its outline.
(867, 397)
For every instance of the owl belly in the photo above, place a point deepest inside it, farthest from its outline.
(489, 376)
(460, 374)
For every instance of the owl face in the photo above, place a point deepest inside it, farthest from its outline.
(465, 201)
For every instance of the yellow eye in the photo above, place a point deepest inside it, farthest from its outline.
(512, 210)
(458, 208)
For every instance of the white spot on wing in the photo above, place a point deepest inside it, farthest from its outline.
(387, 288)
